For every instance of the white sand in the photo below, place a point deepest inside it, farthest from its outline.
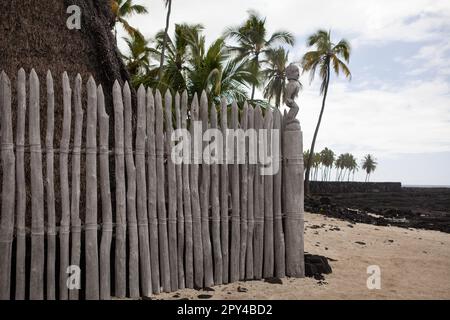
(416, 265)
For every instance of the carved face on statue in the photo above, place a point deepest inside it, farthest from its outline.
(293, 86)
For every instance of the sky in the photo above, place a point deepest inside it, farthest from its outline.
(397, 104)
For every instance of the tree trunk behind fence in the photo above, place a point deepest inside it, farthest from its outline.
(152, 184)
(37, 194)
(189, 254)
(258, 249)
(250, 203)
(8, 188)
(133, 241)
(76, 180)
(235, 205)
(65, 200)
(244, 194)
(144, 247)
(105, 191)
(171, 195)
(215, 204)
(50, 187)
(195, 201)
(224, 193)
(121, 220)
(268, 201)
(180, 212)
(161, 198)
(205, 199)
(20, 186)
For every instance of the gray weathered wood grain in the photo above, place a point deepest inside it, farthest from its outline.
(258, 242)
(235, 204)
(205, 199)
(91, 241)
(8, 188)
(37, 194)
(224, 184)
(215, 206)
(171, 193)
(151, 197)
(250, 203)
(121, 218)
(189, 254)
(269, 263)
(244, 194)
(20, 186)
(195, 200)
(279, 246)
(50, 190)
(64, 229)
(141, 200)
(161, 196)
(133, 240)
(75, 220)
(105, 193)
(180, 211)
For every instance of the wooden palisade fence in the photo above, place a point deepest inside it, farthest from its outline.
(149, 224)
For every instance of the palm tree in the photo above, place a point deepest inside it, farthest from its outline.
(122, 9)
(168, 4)
(138, 59)
(213, 70)
(327, 158)
(252, 41)
(325, 56)
(340, 166)
(275, 74)
(369, 164)
(178, 54)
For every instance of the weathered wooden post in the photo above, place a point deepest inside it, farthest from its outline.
(75, 220)
(65, 196)
(258, 244)
(161, 196)
(121, 218)
(224, 193)
(215, 206)
(49, 182)
(151, 196)
(20, 186)
(37, 194)
(189, 254)
(195, 201)
(268, 200)
(133, 241)
(293, 179)
(105, 192)
(235, 204)
(279, 245)
(250, 197)
(141, 200)
(171, 195)
(205, 196)
(244, 194)
(180, 211)
(8, 188)
(91, 247)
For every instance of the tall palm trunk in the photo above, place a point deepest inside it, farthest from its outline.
(313, 144)
(166, 32)
(257, 71)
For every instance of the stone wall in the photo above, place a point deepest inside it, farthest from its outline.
(319, 187)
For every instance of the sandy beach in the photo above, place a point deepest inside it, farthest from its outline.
(414, 264)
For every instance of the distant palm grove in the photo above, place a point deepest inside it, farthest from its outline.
(245, 58)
